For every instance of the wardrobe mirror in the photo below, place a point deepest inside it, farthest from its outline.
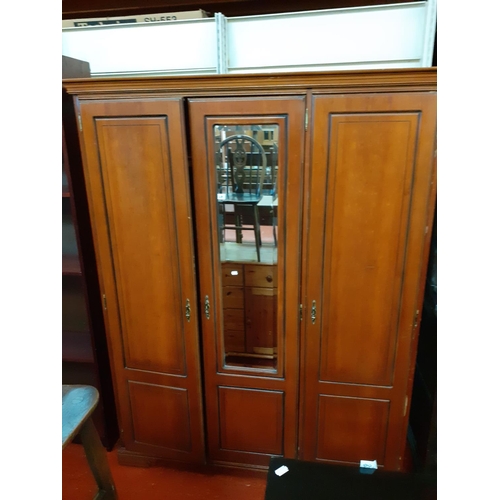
(246, 159)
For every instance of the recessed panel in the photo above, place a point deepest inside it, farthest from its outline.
(139, 201)
(251, 420)
(160, 416)
(351, 429)
(370, 166)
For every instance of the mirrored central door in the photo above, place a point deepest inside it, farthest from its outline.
(247, 171)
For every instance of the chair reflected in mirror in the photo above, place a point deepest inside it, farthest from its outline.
(241, 167)
(270, 202)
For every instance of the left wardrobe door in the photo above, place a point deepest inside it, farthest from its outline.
(136, 176)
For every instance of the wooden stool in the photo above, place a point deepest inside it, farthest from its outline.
(78, 403)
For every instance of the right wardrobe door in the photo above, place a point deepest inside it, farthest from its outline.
(370, 196)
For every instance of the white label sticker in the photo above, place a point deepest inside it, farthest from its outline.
(234, 273)
(368, 464)
(281, 470)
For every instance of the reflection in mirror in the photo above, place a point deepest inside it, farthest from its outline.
(246, 158)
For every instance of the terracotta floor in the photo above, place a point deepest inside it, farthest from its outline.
(158, 483)
(154, 483)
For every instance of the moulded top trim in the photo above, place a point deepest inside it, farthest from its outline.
(424, 79)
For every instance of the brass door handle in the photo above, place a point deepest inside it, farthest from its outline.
(313, 312)
(207, 307)
(188, 310)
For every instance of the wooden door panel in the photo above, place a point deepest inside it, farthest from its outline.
(251, 420)
(369, 201)
(160, 416)
(369, 175)
(139, 198)
(140, 209)
(350, 428)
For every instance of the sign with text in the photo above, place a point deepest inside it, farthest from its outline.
(147, 18)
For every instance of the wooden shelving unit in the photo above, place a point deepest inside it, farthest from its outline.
(77, 347)
(85, 357)
(71, 265)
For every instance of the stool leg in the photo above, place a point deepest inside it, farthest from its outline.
(256, 228)
(97, 460)
(239, 224)
(274, 227)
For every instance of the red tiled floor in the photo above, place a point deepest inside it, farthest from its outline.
(155, 483)
(158, 483)
(266, 234)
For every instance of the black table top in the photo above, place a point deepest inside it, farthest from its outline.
(318, 481)
(239, 198)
